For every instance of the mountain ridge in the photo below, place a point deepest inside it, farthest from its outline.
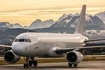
(66, 20)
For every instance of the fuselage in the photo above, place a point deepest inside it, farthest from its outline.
(40, 44)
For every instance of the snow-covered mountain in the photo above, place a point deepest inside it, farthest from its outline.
(16, 25)
(9, 25)
(72, 20)
(64, 21)
(41, 24)
(101, 15)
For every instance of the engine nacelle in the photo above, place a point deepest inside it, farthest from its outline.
(74, 57)
(11, 57)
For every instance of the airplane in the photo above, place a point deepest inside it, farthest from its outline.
(49, 45)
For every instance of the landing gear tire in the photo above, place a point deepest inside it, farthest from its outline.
(70, 65)
(35, 63)
(75, 65)
(30, 63)
(26, 66)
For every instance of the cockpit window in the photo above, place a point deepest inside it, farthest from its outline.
(16, 40)
(28, 40)
(22, 40)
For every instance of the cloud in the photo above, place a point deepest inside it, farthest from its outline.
(47, 12)
(17, 5)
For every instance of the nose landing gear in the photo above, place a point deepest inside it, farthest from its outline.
(31, 62)
(26, 64)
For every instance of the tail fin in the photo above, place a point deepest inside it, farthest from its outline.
(80, 27)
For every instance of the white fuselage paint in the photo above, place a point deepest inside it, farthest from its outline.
(42, 43)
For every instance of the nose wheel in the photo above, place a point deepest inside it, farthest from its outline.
(26, 65)
(31, 62)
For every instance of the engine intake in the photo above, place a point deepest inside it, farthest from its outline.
(11, 57)
(74, 57)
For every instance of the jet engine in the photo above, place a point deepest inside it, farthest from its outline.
(11, 57)
(74, 57)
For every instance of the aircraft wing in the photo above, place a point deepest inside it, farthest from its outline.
(6, 46)
(95, 42)
(91, 40)
(65, 50)
(90, 44)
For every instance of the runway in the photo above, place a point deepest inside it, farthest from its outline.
(85, 65)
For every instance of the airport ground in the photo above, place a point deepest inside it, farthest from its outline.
(95, 62)
(84, 65)
(52, 60)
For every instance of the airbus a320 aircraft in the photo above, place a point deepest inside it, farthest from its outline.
(31, 45)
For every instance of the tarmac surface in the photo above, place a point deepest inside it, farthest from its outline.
(84, 65)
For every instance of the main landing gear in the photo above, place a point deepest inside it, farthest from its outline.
(70, 65)
(31, 62)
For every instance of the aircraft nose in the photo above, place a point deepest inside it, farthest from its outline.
(17, 49)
